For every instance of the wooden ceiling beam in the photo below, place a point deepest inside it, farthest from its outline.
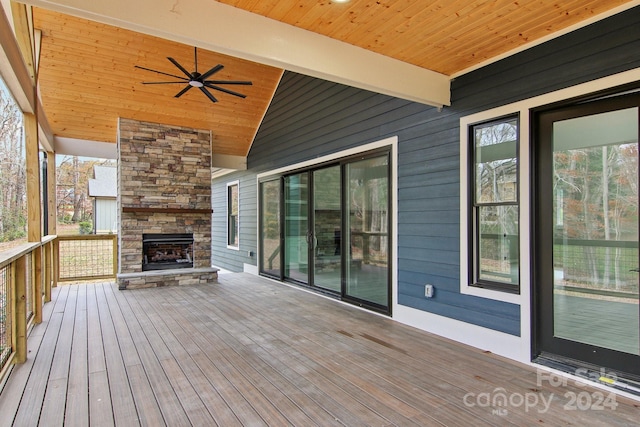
(218, 27)
(13, 68)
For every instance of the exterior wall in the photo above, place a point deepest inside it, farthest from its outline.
(232, 259)
(310, 118)
(105, 215)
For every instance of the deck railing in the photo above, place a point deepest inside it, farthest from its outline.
(87, 257)
(25, 283)
(29, 271)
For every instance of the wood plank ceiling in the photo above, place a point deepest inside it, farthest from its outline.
(446, 36)
(87, 79)
(87, 76)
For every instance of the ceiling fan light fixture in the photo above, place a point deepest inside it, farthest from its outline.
(197, 80)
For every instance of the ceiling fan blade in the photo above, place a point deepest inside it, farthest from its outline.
(160, 72)
(221, 89)
(212, 71)
(206, 92)
(161, 83)
(183, 91)
(180, 67)
(228, 82)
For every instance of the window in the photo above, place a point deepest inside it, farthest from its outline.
(233, 223)
(494, 221)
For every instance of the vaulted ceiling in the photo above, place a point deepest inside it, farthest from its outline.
(404, 48)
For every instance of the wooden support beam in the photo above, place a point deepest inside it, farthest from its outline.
(13, 69)
(34, 211)
(19, 311)
(51, 193)
(34, 208)
(232, 31)
(23, 28)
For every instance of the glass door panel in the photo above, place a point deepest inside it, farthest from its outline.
(595, 244)
(270, 253)
(296, 227)
(367, 228)
(327, 224)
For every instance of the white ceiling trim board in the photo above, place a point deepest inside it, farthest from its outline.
(218, 27)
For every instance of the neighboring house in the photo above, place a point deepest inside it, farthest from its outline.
(103, 188)
(408, 232)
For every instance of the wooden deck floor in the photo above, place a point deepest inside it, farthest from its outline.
(247, 351)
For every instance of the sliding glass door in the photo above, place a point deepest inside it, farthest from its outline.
(270, 228)
(326, 234)
(367, 228)
(327, 228)
(297, 235)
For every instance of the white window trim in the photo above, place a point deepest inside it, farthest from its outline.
(523, 108)
(523, 198)
(231, 184)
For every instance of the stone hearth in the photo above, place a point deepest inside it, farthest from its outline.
(164, 186)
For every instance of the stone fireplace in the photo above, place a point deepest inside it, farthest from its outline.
(164, 205)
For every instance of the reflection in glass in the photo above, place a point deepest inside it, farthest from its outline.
(327, 224)
(498, 243)
(595, 255)
(367, 261)
(232, 219)
(270, 233)
(496, 162)
(296, 227)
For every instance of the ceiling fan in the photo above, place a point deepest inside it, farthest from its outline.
(195, 79)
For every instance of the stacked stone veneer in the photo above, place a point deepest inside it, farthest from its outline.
(164, 170)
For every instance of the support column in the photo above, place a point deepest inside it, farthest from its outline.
(34, 209)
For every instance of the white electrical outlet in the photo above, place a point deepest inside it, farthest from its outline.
(428, 291)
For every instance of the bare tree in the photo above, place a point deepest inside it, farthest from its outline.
(12, 170)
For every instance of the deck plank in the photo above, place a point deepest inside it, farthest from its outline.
(119, 378)
(189, 400)
(77, 405)
(247, 351)
(100, 405)
(176, 336)
(31, 403)
(165, 395)
(336, 387)
(10, 401)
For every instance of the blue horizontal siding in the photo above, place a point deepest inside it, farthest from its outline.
(309, 118)
(221, 256)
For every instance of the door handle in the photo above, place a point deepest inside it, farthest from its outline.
(311, 239)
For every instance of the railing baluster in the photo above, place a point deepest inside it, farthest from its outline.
(19, 311)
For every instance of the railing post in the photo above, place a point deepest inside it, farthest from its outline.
(56, 262)
(19, 312)
(48, 269)
(38, 277)
(115, 255)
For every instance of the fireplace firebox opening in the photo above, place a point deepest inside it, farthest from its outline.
(167, 251)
